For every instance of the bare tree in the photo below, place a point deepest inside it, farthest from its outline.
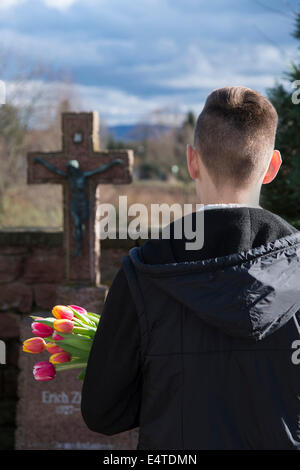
(30, 118)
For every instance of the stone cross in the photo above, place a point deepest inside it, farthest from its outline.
(80, 167)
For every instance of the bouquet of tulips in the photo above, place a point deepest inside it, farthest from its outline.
(67, 336)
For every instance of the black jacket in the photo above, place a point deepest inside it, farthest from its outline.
(198, 352)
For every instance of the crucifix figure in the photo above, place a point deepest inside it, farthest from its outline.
(79, 204)
(80, 167)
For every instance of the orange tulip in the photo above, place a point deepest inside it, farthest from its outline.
(52, 348)
(63, 326)
(62, 312)
(34, 345)
(60, 358)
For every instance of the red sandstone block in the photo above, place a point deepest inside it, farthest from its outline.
(91, 298)
(9, 325)
(16, 296)
(45, 295)
(10, 268)
(42, 251)
(44, 268)
(13, 250)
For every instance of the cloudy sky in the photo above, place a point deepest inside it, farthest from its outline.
(128, 58)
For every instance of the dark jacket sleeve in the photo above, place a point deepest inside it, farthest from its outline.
(111, 391)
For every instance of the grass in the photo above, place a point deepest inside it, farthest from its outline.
(29, 206)
(42, 205)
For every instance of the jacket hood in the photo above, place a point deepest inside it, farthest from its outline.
(249, 294)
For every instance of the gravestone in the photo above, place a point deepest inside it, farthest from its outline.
(49, 412)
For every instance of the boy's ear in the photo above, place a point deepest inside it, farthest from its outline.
(192, 162)
(274, 166)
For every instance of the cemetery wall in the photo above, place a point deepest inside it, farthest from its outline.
(31, 268)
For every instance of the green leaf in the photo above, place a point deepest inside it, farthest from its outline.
(87, 332)
(45, 321)
(95, 317)
(77, 344)
(73, 350)
(83, 318)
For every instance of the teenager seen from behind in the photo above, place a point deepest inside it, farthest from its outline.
(196, 346)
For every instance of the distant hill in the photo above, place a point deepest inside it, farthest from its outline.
(136, 132)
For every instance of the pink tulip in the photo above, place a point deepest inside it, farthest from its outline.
(34, 345)
(62, 312)
(43, 371)
(78, 309)
(53, 348)
(60, 358)
(63, 326)
(56, 337)
(41, 330)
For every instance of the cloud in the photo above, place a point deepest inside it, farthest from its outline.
(255, 67)
(6, 4)
(130, 58)
(60, 4)
(113, 105)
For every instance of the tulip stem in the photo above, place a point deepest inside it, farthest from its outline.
(70, 365)
(94, 317)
